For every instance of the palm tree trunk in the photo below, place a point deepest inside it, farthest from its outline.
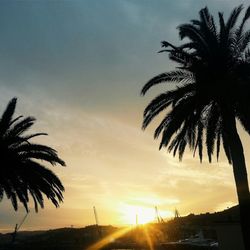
(240, 176)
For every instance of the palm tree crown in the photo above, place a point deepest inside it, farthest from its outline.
(21, 174)
(213, 84)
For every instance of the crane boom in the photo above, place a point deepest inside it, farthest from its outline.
(97, 222)
(157, 216)
(17, 227)
(176, 214)
(22, 221)
(96, 218)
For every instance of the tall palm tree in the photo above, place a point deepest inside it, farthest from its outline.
(212, 91)
(21, 173)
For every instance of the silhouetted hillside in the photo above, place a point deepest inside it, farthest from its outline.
(80, 238)
(63, 238)
(231, 214)
(183, 227)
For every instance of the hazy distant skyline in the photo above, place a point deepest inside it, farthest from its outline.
(78, 67)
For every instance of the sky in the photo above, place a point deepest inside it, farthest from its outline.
(78, 67)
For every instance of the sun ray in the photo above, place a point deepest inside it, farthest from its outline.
(148, 238)
(106, 240)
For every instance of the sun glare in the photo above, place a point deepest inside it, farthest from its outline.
(134, 214)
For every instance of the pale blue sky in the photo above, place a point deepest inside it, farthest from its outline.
(77, 51)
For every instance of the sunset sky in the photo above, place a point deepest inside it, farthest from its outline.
(78, 67)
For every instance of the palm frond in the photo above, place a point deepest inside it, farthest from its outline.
(28, 137)
(233, 17)
(194, 34)
(176, 76)
(222, 35)
(212, 129)
(218, 144)
(20, 127)
(244, 41)
(239, 31)
(7, 115)
(208, 28)
(226, 147)
(245, 19)
(162, 101)
(21, 174)
(242, 113)
(173, 120)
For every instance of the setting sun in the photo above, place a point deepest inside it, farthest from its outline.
(132, 214)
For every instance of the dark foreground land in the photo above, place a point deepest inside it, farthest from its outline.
(160, 234)
(80, 239)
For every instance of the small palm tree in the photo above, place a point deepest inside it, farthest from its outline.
(21, 174)
(212, 92)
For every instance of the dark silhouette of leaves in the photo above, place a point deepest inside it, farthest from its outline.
(21, 175)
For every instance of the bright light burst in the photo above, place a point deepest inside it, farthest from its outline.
(132, 214)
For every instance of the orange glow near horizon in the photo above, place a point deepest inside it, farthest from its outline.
(113, 237)
(132, 214)
(149, 240)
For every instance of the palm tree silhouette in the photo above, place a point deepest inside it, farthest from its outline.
(21, 174)
(212, 92)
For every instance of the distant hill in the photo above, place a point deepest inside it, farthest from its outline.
(80, 238)
(184, 227)
(228, 215)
